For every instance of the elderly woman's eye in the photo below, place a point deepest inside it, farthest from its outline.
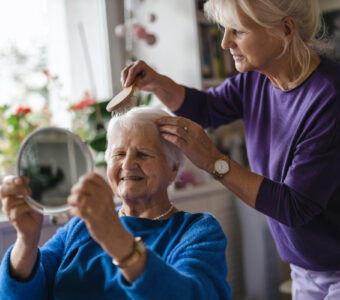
(118, 154)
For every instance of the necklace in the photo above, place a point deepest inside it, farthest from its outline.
(121, 212)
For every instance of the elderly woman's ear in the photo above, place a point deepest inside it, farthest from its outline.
(174, 172)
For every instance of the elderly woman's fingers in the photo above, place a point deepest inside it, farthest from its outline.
(91, 183)
(16, 212)
(16, 180)
(14, 185)
(10, 203)
(7, 190)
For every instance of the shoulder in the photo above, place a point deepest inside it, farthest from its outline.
(326, 77)
(199, 226)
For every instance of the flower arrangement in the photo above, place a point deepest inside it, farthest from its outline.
(14, 127)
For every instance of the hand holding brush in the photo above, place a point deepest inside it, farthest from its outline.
(140, 76)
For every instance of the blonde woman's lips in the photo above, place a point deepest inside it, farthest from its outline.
(237, 57)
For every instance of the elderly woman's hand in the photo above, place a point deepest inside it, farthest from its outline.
(192, 139)
(25, 220)
(91, 199)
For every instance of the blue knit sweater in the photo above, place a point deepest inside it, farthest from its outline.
(186, 260)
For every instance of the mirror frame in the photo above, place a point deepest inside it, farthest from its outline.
(45, 209)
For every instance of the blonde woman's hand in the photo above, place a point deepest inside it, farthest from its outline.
(191, 138)
(147, 79)
(25, 220)
(142, 75)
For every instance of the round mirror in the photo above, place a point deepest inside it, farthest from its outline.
(53, 159)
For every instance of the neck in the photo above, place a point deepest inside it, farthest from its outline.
(284, 77)
(148, 209)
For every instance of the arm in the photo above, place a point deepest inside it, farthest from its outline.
(102, 221)
(26, 272)
(26, 222)
(147, 79)
(195, 268)
(312, 183)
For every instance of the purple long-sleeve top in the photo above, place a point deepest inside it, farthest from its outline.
(293, 140)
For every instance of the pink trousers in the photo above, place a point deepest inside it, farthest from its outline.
(312, 285)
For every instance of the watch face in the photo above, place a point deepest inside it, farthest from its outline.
(221, 166)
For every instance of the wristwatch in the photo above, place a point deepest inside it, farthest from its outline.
(138, 250)
(221, 167)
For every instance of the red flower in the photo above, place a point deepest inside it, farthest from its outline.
(47, 73)
(21, 110)
(87, 100)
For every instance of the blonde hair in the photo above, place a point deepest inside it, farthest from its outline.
(144, 117)
(269, 14)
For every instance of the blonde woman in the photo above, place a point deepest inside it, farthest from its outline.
(288, 96)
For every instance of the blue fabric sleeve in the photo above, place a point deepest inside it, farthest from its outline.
(193, 270)
(32, 289)
(40, 284)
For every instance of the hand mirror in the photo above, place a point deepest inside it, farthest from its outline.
(53, 159)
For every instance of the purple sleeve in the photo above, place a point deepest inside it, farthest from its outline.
(312, 182)
(214, 107)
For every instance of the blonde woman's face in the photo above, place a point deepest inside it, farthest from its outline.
(253, 49)
(138, 168)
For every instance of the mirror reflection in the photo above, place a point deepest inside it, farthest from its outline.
(53, 159)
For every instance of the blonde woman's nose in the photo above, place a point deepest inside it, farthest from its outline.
(227, 40)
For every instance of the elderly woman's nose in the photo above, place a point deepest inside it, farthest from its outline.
(129, 161)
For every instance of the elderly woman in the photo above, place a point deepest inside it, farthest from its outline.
(147, 249)
(288, 96)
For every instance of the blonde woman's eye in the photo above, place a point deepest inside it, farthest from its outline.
(220, 28)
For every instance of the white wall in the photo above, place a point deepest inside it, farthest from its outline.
(176, 53)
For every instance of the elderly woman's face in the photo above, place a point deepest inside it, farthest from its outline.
(254, 49)
(137, 167)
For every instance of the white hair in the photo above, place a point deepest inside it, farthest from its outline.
(269, 14)
(142, 117)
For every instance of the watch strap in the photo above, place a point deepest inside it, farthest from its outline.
(138, 250)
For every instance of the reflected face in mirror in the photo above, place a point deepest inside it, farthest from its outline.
(53, 159)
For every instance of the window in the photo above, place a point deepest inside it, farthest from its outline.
(54, 51)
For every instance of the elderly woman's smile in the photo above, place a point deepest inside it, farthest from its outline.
(138, 167)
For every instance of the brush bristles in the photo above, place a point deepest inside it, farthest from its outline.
(125, 107)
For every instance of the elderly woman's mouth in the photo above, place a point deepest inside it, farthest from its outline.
(132, 178)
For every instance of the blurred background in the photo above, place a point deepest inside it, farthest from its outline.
(60, 63)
